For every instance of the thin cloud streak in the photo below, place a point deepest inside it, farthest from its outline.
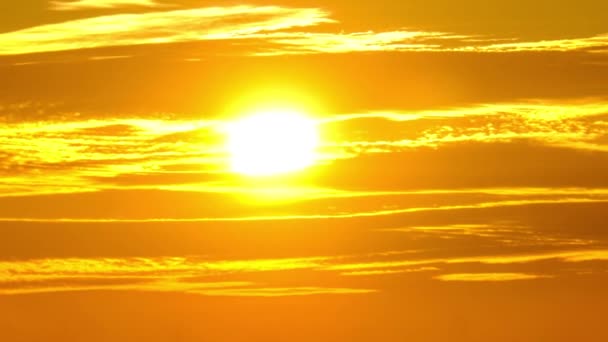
(559, 45)
(534, 109)
(420, 41)
(489, 277)
(505, 233)
(569, 256)
(388, 272)
(75, 5)
(283, 291)
(315, 43)
(152, 286)
(360, 214)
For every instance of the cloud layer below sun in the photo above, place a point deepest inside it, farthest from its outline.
(235, 277)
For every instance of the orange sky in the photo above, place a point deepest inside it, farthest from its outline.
(460, 194)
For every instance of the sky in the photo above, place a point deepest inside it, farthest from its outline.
(460, 189)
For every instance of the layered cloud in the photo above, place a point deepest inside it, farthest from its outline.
(247, 277)
(69, 153)
(578, 125)
(272, 30)
(175, 274)
(174, 26)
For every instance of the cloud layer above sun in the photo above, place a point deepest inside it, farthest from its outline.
(278, 30)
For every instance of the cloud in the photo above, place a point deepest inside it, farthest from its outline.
(505, 233)
(246, 205)
(190, 269)
(563, 45)
(399, 40)
(102, 284)
(352, 213)
(282, 291)
(571, 256)
(488, 277)
(417, 41)
(576, 124)
(387, 272)
(104, 58)
(162, 274)
(74, 5)
(186, 25)
(601, 255)
(265, 24)
(64, 153)
(534, 109)
(271, 28)
(203, 276)
(105, 146)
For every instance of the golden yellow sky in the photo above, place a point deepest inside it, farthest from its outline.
(458, 192)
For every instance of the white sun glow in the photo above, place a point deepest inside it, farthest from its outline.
(272, 143)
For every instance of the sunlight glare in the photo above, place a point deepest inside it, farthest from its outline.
(272, 142)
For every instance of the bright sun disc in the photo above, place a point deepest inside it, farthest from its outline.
(272, 143)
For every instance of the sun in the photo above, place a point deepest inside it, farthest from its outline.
(272, 142)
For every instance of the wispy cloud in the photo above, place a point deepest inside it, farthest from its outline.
(173, 266)
(59, 284)
(575, 124)
(163, 274)
(274, 28)
(70, 154)
(73, 5)
(354, 213)
(184, 25)
(489, 277)
(103, 58)
(535, 109)
(399, 40)
(388, 272)
(505, 233)
(572, 44)
(244, 277)
(408, 41)
(570, 256)
(282, 291)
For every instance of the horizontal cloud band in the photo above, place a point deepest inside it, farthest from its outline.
(272, 26)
